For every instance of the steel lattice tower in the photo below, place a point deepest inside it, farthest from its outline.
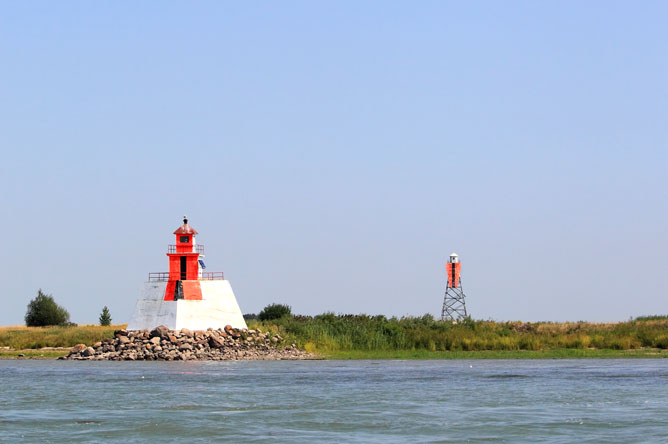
(454, 303)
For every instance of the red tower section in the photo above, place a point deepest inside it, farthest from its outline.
(184, 265)
(453, 270)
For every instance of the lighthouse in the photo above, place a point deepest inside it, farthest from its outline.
(186, 296)
(454, 304)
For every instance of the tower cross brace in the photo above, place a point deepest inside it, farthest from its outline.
(454, 304)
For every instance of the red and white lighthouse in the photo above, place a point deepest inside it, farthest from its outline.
(186, 296)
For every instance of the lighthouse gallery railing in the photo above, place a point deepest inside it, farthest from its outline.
(198, 249)
(206, 276)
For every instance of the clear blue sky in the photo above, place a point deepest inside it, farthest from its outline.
(332, 155)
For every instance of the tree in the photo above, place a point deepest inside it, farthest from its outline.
(105, 317)
(43, 310)
(274, 311)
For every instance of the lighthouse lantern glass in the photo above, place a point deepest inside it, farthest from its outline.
(184, 239)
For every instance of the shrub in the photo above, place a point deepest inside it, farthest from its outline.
(250, 317)
(661, 341)
(105, 317)
(274, 311)
(622, 343)
(43, 311)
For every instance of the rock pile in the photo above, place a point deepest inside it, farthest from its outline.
(163, 344)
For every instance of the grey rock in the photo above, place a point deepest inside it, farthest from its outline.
(160, 331)
(89, 351)
(78, 348)
(216, 342)
(161, 344)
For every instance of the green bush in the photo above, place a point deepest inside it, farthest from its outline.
(43, 311)
(274, 311)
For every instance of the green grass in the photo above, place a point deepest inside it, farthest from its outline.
(33, 354)
(37, 337)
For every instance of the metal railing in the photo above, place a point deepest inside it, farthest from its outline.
(212, 276)
(158, 277)
(206, 276)
(198, 249)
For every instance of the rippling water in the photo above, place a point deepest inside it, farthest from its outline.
(334, 401)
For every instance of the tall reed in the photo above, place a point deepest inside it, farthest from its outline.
(329, 332)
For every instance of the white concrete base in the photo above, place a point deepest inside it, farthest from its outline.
(217, 308)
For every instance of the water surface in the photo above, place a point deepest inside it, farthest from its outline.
(335, 401)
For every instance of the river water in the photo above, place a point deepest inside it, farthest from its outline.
(335, 401)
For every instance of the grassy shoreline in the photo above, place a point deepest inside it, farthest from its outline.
(499, 354)
(651, 353)
(376, 337)
(34, 353)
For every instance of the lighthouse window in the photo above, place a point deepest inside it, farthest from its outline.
(184, 239)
